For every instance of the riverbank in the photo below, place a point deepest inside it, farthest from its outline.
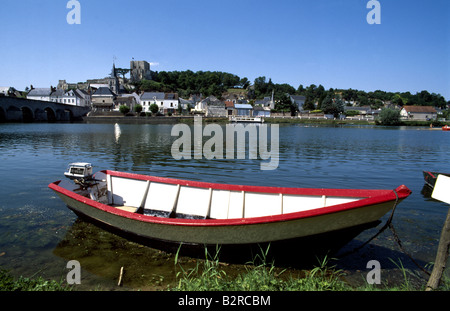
(212, 275)
(270, 120)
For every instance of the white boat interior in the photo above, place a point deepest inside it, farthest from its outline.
(181, 201)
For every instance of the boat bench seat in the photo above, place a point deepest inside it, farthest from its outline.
(130, 209)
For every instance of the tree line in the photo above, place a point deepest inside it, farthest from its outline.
(216, 83)
(187, 83)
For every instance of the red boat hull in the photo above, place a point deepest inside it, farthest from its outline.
(337, 223)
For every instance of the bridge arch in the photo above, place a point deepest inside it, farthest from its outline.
(2, 115)
(27, 114)
(13, 113)
(69, 114)
(51, 115)
(61, 114)
(40, 115)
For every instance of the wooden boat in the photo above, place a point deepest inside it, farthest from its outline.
(174, 211)
(246, 119)
(430, 177)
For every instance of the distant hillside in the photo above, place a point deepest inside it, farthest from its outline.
(188, 82)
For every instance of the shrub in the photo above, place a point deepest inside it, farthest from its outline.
(124, 109)
(389, 117)
(138, 108)
(154, 108)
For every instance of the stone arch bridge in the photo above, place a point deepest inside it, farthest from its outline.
(25, 110)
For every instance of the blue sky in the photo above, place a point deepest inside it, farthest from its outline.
(326, 42)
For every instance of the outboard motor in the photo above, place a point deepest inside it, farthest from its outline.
(80, 173)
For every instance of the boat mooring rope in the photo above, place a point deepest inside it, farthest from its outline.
(389, 225)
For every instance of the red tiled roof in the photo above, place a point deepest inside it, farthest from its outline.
(229, 103)
(420, 109)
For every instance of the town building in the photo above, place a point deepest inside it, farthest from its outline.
(42, 94)
(166, 102)
(76, 98)
(130, 100)
(8, 91)
(419, 113)
(213, 107)
(266, 102)
(259, 111)
(243, 109)
(103, 99)
(57, 96)
(298, 100)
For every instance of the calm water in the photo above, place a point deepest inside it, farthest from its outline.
(39, 235)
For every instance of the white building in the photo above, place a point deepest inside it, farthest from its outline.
(40, 94)
(166, 102)
(76, 98)
(7, 91)
(421, 113)
(57, 96)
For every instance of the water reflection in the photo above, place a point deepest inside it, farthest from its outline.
(102, 254)
(117, 132)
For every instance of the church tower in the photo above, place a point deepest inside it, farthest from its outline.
(114, 84)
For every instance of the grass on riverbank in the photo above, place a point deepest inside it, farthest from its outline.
(9, 283)
(208, 275)
(258, 277)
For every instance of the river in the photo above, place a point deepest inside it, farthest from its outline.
(39, 235)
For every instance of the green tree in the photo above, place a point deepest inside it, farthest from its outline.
(124, 109)
(397, 100)
(154, 108)
(244, 83)
(138, 108)
(389, 117)
(285, 104)
(332, 105)
(309, 104)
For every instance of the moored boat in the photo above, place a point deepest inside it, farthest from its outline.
(246, 119)
(174, 211)
(446, 128)
(430, 177)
